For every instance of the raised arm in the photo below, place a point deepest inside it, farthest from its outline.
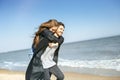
(49, 35)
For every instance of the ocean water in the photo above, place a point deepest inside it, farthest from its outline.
(98, 56)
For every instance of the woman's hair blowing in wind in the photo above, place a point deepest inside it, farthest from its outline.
(49, 24)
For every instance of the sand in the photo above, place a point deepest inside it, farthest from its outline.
(17, 75)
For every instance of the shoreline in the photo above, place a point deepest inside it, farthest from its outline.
(92, 71)
(20, 75)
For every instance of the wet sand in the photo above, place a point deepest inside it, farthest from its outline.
(17, 75)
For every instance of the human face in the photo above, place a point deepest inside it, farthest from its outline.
(53, 29)
(60, 30)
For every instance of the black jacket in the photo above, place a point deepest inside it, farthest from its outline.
(35, 69)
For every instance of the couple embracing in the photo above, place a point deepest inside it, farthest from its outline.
(46, 45)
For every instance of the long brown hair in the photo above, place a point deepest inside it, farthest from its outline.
(48, 25)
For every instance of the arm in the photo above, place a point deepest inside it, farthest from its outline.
(49, 35)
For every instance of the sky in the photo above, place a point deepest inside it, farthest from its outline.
(83, 19)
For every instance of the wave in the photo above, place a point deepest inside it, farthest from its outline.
(100, 64)
(13, 65)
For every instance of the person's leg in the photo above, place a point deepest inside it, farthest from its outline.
(46, 74)
(36, 73)
(57, 72)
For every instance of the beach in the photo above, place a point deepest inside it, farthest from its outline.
(19, 75)
(86, 60)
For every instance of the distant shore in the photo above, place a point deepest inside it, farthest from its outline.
(19, 75)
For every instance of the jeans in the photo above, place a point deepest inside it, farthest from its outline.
(55, 71)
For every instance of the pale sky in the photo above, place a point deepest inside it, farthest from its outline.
(83, 19)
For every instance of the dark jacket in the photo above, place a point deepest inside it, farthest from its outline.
(35, 69)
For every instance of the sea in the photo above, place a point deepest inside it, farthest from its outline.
(97, 57)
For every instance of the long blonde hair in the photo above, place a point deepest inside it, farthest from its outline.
(48, 25)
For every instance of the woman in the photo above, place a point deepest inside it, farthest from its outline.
(38, 68)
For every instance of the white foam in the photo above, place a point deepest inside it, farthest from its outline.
(103, 64)
(11, 65)
(100, 64)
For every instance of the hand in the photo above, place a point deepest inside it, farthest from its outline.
(51, 45)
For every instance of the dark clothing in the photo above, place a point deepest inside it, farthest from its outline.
(35, 69)
(53, 70)
(49, 35)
